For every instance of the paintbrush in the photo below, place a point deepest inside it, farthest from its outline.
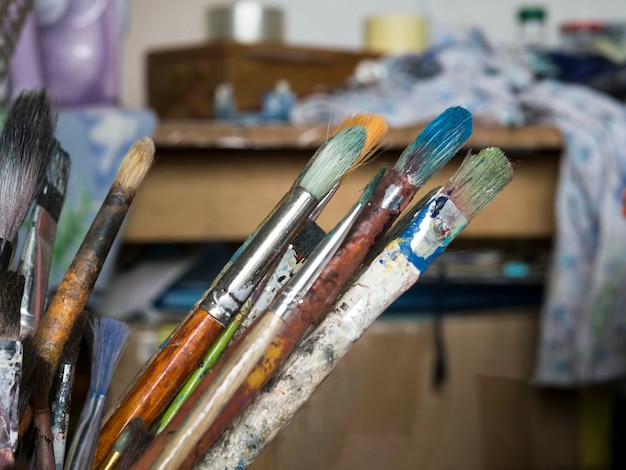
(109, 339)
(435, 145)
(36, 256)
(417, 240)
(290, 264)
(253, 344)
(181, 354)
(376, 128)
(75, 288)
(26, 143)
(11, 289)
(63, 389)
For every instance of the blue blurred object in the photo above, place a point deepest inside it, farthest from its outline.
(276, 105)
(579, 68)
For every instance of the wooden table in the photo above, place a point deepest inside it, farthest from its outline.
(216, 182)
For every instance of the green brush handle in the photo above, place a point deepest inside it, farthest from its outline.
(212, 355)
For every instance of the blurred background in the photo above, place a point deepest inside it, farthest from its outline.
(510, 353)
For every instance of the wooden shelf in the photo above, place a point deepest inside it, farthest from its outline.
(216, 182)
(209, 134)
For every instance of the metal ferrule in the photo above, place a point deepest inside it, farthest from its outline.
(302, 281)
(432, 229)
(35, 267)
(259, 256)
(393, 197)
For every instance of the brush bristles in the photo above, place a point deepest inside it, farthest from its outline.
(58, 169)
(332, 160)
(52, 192)
(478, 180)
(308, 239)
(110, 337)
(375, 128)
(11, 291)
(136, 163)
(26, 143)
(442, 138)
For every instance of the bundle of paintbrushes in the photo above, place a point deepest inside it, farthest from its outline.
(287, 280)
(39, 343)
(267, 331)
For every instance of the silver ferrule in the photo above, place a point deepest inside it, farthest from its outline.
(304, 279)
(260, 255)
(322, 203)
(35, 267)
(393, 197)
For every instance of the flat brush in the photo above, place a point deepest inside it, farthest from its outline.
(439, 141)
(36, 256)
(62, 391)
(11, 355)
(420, 237)
(72, 294)
(254, 342)
(26, 143)
(166, 373)
(109, 339)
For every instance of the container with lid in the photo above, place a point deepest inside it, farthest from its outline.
(580, 35)
(531, 22)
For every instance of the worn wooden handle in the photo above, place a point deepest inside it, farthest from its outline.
(159, 383)
(231, 376)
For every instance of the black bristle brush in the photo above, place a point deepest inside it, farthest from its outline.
(109, 339)
(26, 143)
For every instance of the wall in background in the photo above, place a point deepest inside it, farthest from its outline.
(334, 23)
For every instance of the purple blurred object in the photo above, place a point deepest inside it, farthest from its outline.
(80, 42)
(25, 70)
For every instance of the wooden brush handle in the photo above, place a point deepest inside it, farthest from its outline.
(234, 372)
(72, 294)
(159, 383)
(44, 447)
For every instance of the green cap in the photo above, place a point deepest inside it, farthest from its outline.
(531, 13)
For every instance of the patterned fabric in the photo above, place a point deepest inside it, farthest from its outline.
(583, 327)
